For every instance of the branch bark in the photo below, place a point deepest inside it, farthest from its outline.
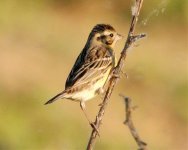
(128, 109)
(131, 38)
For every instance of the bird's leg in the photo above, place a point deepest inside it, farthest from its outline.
(82, 105)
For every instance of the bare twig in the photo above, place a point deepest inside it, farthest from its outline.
(117, 70)
(128, 121)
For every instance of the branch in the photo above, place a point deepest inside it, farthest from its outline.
(128, 109)
(117, 70)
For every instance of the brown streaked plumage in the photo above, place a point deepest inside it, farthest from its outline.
(92, 67)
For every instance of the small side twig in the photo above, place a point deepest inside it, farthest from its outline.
(128, 121)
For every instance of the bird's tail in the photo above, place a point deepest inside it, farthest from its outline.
(53, 99)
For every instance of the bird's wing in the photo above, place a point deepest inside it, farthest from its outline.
(90, 66)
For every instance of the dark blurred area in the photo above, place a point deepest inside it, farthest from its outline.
(39, 42)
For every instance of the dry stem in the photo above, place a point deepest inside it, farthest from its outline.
(117, 70)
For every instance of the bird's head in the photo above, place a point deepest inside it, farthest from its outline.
(104, 34)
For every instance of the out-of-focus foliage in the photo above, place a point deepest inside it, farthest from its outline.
(39, 42)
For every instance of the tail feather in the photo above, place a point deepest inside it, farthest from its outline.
(53, 99)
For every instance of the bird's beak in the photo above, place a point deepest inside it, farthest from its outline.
(119, 37)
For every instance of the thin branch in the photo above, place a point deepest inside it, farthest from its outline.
(117, 70)
(128, 121)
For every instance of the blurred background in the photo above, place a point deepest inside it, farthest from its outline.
(39, 42)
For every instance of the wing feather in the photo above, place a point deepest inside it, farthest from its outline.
(90, 67)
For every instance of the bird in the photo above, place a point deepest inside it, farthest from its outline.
(92, 67)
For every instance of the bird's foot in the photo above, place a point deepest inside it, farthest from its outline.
(95, 128)
(115, 74)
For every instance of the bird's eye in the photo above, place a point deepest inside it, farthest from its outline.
(111, 35)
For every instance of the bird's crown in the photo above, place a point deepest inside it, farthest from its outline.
(102, 27)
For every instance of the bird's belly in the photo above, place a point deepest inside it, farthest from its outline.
(90, 92)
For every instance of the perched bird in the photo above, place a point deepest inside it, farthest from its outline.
(92, 67)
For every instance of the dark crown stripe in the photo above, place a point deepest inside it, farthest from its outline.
(102, 28)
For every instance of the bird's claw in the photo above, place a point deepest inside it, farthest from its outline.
(95, 128)
(115, 74)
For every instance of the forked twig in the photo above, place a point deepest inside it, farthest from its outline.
(128, 121)
(131, 38)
